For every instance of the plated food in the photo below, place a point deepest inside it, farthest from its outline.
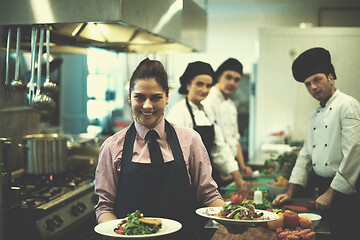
(238, 211)
(244, 210)
(136, 224)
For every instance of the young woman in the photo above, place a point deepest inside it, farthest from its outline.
(128, 180)
(196, 83)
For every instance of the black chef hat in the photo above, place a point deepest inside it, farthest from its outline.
(230, 64)
(192, 70)
(312, 61)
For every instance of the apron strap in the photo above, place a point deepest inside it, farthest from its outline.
(192, 114)
(129, 143)
(173, 142)
(190, 111)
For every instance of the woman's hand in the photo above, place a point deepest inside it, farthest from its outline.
(217, 203)
(106, 217)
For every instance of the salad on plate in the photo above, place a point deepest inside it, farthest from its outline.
(240, 209)
(237, 212)
(136, 224)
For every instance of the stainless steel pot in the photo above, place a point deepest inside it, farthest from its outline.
(45, 153)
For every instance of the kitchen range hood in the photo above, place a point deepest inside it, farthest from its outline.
(120, 25)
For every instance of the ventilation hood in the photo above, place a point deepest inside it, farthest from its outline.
(119, 25)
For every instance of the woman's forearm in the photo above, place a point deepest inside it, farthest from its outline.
(106, 217)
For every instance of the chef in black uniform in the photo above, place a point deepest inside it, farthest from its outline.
(196, 83)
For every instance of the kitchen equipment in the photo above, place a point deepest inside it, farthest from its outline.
(7, 62)
(45, 153)
(5, 174)
(50, 206)
(31, 84)
(5, 144)
(118, 25)
(42, 102)
(49, 88)
(17, 84)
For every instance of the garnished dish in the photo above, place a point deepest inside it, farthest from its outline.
(238, 212)
(136, 224)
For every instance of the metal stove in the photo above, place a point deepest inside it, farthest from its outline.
(49, 206)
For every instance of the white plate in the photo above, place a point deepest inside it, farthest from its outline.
(209, 212)
(107, 229)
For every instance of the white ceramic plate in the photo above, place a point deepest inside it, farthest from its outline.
(210, 212)
(107, 229)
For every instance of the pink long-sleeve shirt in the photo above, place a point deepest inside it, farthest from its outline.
(196, 159)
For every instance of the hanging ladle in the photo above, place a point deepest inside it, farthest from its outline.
(17, 84)
(42, 102)
(31, 85)
(49, 88)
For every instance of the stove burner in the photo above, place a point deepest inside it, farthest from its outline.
(35, 190)
(50, 205)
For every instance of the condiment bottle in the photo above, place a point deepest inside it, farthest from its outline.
(258, 196)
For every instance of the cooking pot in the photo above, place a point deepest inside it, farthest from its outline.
(45, 153)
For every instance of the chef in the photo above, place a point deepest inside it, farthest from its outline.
(218, 102)
(158, 168)
(196, 83)
(332, 145)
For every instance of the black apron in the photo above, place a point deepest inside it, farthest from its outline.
(157, 190)
(341, 225)
(207, 134)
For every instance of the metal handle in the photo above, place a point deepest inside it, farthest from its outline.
(7, 58)
(33, 52)
(33, 55)
(47, 52)
(41, 42)
(17, 65)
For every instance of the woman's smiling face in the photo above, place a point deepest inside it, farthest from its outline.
(148, 101)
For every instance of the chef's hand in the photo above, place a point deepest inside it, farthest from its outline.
(242, 186)
(281, 198)
(324, 201)
(240, 183)
(247, 171)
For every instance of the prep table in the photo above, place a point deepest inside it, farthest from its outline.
(260, 231)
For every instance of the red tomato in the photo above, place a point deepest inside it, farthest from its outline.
(236, 199)
(119, 230)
